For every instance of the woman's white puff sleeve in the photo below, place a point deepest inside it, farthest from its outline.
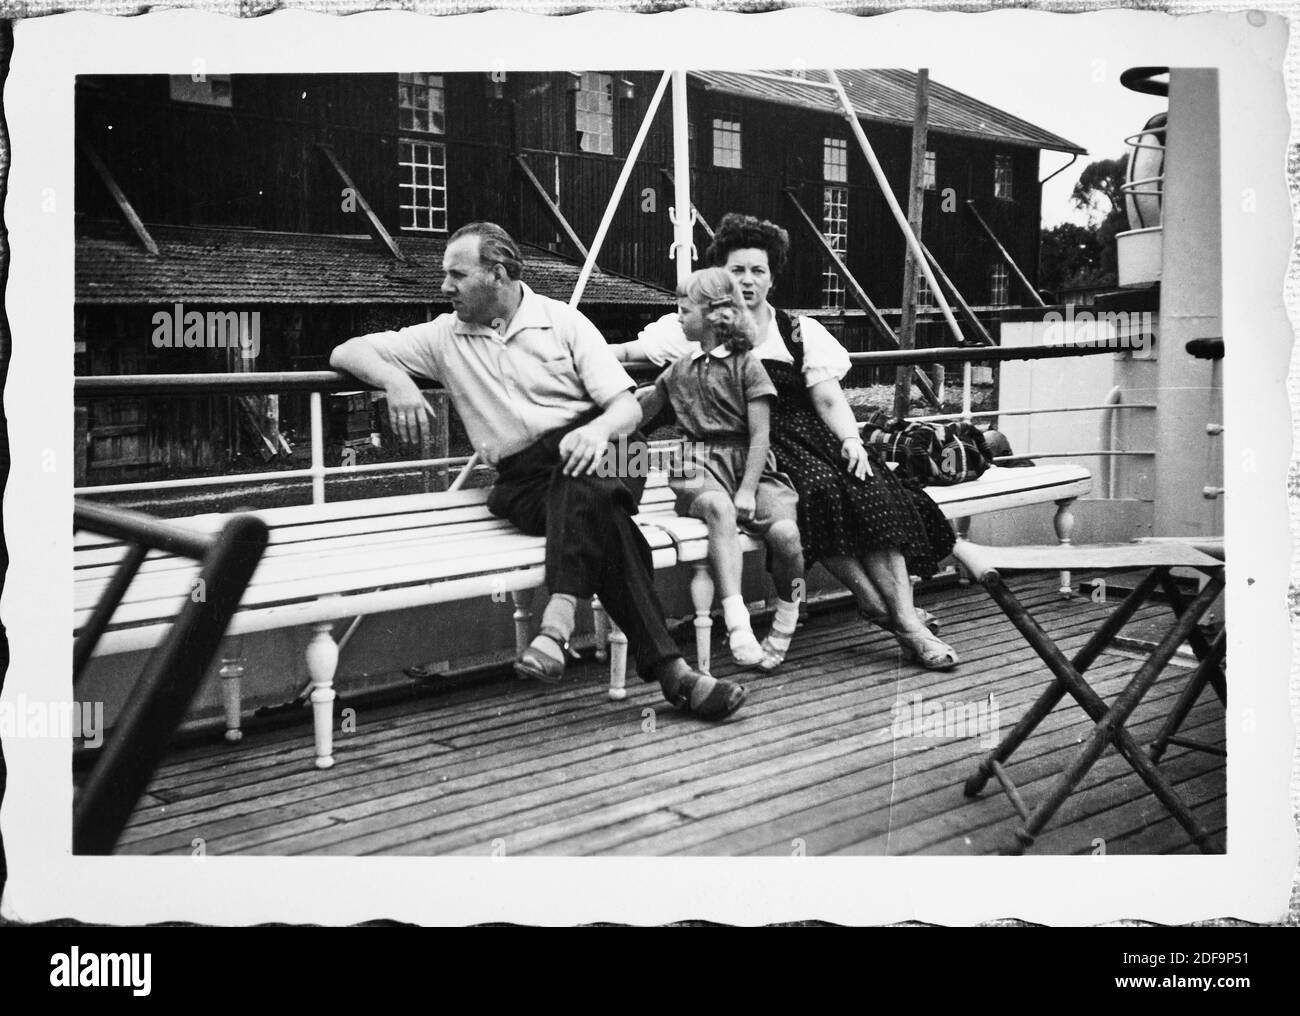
(662, 341)
(823, 356)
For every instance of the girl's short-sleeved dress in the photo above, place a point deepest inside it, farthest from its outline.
(710, 395)
(838, 514)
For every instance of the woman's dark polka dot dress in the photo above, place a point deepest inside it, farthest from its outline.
(838, 513)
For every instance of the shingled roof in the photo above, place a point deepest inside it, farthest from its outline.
(887, 96)
(243, 266)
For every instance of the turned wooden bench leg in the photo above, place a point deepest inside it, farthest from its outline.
(322, 662)
(702, 601)
(232, 673)
(600, 621)
(617, 661)
(1064, 523)
(523, 618)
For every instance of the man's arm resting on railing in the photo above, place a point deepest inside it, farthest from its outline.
(408, 412)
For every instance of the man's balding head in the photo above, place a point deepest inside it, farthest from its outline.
(496, 247)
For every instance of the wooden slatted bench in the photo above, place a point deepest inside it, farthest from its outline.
(341, 560)
(999, 489)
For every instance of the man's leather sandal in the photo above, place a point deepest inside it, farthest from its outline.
(537, 665)
(725, 698)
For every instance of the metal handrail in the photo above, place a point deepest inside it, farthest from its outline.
(319, 382)
(175, 668)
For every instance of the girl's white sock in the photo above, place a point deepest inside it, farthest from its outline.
(735, 614)
(786, 618)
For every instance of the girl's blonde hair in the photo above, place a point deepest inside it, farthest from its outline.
(715, 289)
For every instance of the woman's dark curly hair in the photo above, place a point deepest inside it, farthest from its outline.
(738, 232)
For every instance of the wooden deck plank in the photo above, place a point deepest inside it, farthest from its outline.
(545, 729)
(173, 841)
(451, 772)
(828, 795)
(775, 786)
(571, 786)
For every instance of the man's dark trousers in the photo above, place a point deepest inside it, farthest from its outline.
(592, 544)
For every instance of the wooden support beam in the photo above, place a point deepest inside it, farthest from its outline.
(123, 204)
(851, 284)
(373, 225)
(911, 256)
(551, 207)
(860, 296)
(887, 192)
(1005, 256)
(699, 219)
(962, 305)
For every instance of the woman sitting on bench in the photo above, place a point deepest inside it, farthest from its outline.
(868, 528)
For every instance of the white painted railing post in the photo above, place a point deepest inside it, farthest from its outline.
(682, 212)
(628, 164)
(317, 450)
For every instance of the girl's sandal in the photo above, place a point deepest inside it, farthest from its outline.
(775, 646)
(928, 651)
(745, 651)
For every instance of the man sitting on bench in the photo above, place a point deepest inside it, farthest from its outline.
(541, 395)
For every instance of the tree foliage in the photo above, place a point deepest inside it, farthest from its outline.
(1077, 256)
(1070, 256)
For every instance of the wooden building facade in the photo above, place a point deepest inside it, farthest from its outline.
(258, 185)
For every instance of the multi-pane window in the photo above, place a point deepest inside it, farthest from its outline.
(1002, 176)
(726, 141)
(998, 286)
(422, 179)
(835, 160)
(929, 171)
(594, 101)
(205, 89)
(924, 295)
(421, 103)
(835, 215)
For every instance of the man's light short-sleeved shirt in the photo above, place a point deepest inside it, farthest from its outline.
(548, 367)
(824, 358)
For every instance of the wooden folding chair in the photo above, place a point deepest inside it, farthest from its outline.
(1157, 557)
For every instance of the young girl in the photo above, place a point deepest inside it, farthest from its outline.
(722, 398)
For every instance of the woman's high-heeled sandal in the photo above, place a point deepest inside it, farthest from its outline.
(884, 622)
(928, 651)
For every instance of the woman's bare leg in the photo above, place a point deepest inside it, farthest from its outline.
(855, 578)
(887, 571)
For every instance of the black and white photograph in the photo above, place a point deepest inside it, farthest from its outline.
(491, 465)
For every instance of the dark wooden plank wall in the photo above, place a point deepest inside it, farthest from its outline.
(255, 166)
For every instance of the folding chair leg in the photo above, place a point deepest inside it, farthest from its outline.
(1195, 685)
(1196, 639)
(1039, 641)
(1110, 727)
